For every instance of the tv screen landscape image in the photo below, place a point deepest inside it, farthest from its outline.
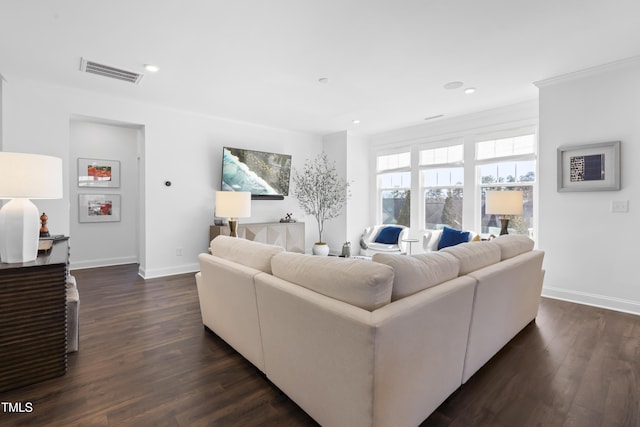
(265, 175)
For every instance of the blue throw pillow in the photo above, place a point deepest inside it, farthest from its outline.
(389, 235)
(452, 237)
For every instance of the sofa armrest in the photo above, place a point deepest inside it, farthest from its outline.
(430, 240)
(507, 299)
(226, 293)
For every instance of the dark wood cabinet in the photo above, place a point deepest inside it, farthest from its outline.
(33, 329)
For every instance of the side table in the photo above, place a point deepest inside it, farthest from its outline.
(410, 242)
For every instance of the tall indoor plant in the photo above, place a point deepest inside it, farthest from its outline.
(321, 193)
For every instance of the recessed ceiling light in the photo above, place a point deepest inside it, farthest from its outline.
(469, 90)
(323, 80)
(356, 122)
(151, 68)
(453, 85)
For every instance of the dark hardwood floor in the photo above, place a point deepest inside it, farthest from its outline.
(146, 360)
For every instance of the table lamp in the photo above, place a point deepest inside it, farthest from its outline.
(234, 205)
(503, 203)
(24, 177)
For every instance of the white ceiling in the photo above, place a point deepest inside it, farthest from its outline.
(260, 60)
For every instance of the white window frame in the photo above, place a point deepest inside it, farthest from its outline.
(422, 188)
(379, 189)
(511, 133)
(471, 215)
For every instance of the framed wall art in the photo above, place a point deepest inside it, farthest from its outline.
(589, 167)
(98, 173)
(98, 207)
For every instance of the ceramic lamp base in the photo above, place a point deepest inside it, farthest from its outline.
(19, 231)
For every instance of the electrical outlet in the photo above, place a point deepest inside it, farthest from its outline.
(620, 206)
(178, 251)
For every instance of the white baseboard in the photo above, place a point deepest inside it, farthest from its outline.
(145, 274)
(170, 271)
(104, 262)
(595, 300)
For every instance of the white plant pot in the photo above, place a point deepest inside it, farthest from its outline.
(322, 250)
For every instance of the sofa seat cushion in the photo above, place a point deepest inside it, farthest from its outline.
(250, 254)
(383, 247)
(418, 272)
(475, 255)
(360, 283)
(513, 244)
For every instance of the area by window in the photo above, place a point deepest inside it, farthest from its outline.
(508, 164)
(394, 188)
(448, 180)
(441, 186)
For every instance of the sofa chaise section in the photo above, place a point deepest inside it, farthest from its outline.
(348, 366)
(509, 279)
(227, 295)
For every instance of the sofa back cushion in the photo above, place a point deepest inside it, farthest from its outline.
(418, 272)
(357, 282)
(251, 254)
(474, 255)
(513, 244)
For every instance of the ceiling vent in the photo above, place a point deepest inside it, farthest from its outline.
(111, 72)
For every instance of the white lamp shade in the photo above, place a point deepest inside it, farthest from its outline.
(24, 177)
(233, 204)
(504, 202)
(30, 176)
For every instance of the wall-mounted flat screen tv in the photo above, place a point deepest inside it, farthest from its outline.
(265, 175)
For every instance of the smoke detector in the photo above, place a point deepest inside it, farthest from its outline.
(109, 71)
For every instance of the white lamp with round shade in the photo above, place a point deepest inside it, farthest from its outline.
(24, 177)
(503, 203)
(233, 205)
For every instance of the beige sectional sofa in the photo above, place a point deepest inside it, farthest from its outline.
(369, 343)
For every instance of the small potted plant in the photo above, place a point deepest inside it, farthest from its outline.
(321, 193)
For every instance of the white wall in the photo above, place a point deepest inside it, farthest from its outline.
(105, 243)
(591, 253)
(180, 146)
(351, 155)
(335, 146)
(359, 216)
(1, 115)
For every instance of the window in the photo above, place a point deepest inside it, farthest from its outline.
(447, 179)
(394, 188)
(507, 164)
(441, 186)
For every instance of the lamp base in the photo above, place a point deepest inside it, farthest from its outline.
(505, 223)
(233, 227)
(19, 231)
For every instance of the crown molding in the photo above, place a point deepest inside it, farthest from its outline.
(588, 72)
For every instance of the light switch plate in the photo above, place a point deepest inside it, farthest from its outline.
(619, 206)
